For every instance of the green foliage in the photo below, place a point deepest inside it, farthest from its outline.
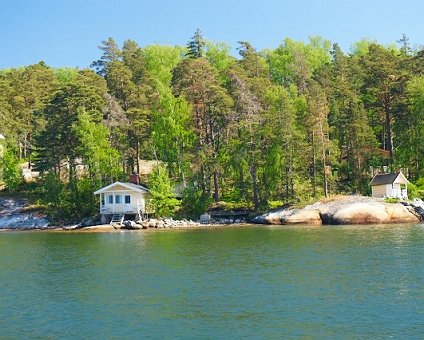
(295, 61)
(414, 191)
(411, 143)
(219, 56)
(391, 200)
(61, 115)
(195, 202)
(11, 172)
(68, 202)
(171, 133)
(283, 125)
(101, 159)
(163, 201)
(196, 46)
(161, 60)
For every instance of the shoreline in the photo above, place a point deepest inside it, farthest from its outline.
(338, 210)
(106, 228)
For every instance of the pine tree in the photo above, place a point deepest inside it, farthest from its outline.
(196, 46)
(197, 81)
(111, 53)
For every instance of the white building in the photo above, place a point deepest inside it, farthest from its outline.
(390, 185)
(121, 200)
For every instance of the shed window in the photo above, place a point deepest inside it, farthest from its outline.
(118, 199)
(110, 199)
(127, 199)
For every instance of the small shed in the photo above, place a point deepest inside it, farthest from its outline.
(393, 185)
(123, 198)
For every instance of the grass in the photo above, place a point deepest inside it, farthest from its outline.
(391, 200)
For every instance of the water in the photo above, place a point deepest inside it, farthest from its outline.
(254, 282)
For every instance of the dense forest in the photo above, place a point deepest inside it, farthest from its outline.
(283, 125)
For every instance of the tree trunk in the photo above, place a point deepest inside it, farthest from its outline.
(137, 153)
(255, 187)
(216, 186)
(388, 129)
(314, 169)
(203, 179)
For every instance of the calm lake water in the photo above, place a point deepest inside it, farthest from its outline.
(254, 282)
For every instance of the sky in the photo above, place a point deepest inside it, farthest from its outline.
(67, 33)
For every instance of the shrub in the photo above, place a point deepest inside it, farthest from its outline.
(11, 173)
(195, 202)
(163, 201)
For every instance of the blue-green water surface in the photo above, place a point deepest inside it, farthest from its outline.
(254, 282)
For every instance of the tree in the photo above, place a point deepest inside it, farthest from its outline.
(172, 134)
(405, 48)
(111, 53)
(285, 142)
(294, 62)
(163, 199)
(246, 122)
(134, 58)
(23, 93)
(11, 172)
(160, 61)
(101, 159)
(197, 81)
(61, 114)
(219, 56)
(381, 85)
(196, 46)
(411, 148)
(323, 151)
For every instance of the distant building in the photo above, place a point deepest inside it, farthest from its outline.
(121, 200)
(393, 185)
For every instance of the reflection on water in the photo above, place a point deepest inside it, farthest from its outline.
(348, 281)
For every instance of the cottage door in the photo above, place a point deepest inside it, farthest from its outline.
(128, 207)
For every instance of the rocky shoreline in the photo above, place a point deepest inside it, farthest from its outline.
(346, 210)
(339, 210)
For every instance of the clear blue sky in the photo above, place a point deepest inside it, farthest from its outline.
(67, 32)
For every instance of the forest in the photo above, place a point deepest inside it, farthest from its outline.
(261, 129)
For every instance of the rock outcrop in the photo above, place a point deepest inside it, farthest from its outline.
(18, 213)
(343, 210)
(290, 216)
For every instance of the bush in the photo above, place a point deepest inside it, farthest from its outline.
(391, 200)
(163, 201)
(195, 202)
(11, 173)
(68, 202)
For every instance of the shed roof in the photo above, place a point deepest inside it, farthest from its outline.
(131, 186)
(2, 137)
(382, 179)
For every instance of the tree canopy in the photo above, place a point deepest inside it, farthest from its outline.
(284, 125)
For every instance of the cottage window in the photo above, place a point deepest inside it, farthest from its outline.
(127, 199)
(102, 199)
(110, 199)
(118, 199)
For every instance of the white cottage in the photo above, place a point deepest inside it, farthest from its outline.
(121, 200)
(390, 185)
